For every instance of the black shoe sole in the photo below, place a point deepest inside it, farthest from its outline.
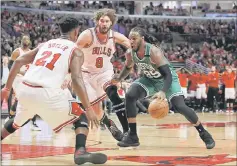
(94, 158)
(210, 146)
(122, 144)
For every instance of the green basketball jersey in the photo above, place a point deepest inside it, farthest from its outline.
(147, 67)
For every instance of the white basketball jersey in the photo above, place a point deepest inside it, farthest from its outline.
(51, 64)
(98, 55)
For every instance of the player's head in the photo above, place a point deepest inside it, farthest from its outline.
(25, 41)
(69, 26)
(105, 19)
(138, 36)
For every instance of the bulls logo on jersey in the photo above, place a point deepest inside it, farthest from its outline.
(101, 50)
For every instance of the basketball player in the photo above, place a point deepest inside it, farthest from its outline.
(183, 79)
(159, 80)
(201, 94)
(25, 47)
(228, 79)
(98, 46)
(40, 92)
(193, 88)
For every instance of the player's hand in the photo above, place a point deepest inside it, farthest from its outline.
(92, 118)
(159, 95)
(5, 93)
(115, 79)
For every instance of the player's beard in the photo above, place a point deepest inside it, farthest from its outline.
(103, 31)
(26, 44)
(138, 46)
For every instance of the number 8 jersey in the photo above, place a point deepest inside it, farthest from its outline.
(98, 54)
(51, 64)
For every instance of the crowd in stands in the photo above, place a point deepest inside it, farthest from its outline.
(219, 36)
(179, 11)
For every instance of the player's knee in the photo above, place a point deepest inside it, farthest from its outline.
(81, 122)
(182, 108)
(9, 126)
(131, 95)
(131, 113)
(112, 93)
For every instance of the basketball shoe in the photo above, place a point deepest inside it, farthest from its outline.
(207, 139)
(81, 156)
(116, 133)
(129, 140)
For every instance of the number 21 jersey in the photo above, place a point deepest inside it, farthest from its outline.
(51, 64)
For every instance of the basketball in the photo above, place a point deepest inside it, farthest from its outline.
(158, 109)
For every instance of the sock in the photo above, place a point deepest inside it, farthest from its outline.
(106, 120)
(80, 141)
(121, 114)
(133, 128)
(123, 120)
(200, 128)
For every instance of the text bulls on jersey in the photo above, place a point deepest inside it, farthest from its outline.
(102, 50)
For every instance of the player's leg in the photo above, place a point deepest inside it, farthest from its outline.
(175, 96)
(118, 105)
(198, 98)
(10, 102)
(210, 103)
(193, 99)
(102, 85)
(67, 110)
(227, 99)
(138, 90)
(104, 119)
(203, 97)
(21, 118)
(9, 128)
(104, 81)
(232, 99)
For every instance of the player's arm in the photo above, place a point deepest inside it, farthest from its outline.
(19, 62)
(14, 56)
(121, 39)
(158, 58)
(84, 39)
(127, 67)
(77, 79)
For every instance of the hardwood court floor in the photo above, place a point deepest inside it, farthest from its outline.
(170, 141)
